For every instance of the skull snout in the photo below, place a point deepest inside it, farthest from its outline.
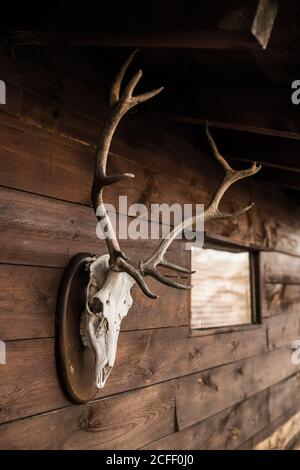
(101, 373)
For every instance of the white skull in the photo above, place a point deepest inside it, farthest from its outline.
(107, 303)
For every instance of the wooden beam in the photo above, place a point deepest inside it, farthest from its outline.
(279, 156)
(196, 39)
(273, 148)
(279, 175)
(274, 151)
(252, 129)
(274, 166)
(253, 106)
(285, 179)
(277, 151)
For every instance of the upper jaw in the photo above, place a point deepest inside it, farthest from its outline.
(102, 376)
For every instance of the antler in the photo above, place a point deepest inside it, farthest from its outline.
(119, 105)
(149, 267)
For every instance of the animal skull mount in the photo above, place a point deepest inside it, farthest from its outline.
(108, 300)
(95, 291)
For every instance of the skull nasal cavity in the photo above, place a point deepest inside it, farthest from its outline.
(95, 305)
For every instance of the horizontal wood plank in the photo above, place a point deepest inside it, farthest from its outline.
(280, 299)
(127, 421)
(202, 395)
(144, 358)
(225, 430)
(48, 232)
(284, 396)
(32, 146)
(283, 403)
(20, 390)
(251, 443)
(28, 303)
(280, 268)
(233, 427)
(283, 330)
(64, 170)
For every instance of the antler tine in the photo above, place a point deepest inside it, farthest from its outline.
(231, 176)
(137, 275)
(153, 272)
(120, 103)
(127, 93)
(116, 86)
(175, 267)
(215, 150)
(149, 267)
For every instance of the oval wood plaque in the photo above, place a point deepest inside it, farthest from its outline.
(75, 362)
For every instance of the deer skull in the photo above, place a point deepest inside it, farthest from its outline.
(108, 300)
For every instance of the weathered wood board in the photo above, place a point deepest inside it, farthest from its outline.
(154, 355)
(126, 421)
(199, 396)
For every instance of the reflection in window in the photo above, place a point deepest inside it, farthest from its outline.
(221, 295)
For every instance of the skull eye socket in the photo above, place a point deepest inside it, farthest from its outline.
(95, 305)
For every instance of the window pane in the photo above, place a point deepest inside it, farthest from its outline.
(221, 295)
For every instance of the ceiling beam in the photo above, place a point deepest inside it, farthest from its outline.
(277, 151)
(282, 178)
(265, 107)
(273, 151)
(279, 156)
(265, 164)
(231, 126)
(198, 39)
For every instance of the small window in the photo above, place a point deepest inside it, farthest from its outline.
(223, 292)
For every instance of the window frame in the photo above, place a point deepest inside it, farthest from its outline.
(255, 288)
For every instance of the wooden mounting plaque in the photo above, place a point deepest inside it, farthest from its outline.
(75, 363)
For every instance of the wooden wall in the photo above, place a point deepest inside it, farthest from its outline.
(168, 390)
